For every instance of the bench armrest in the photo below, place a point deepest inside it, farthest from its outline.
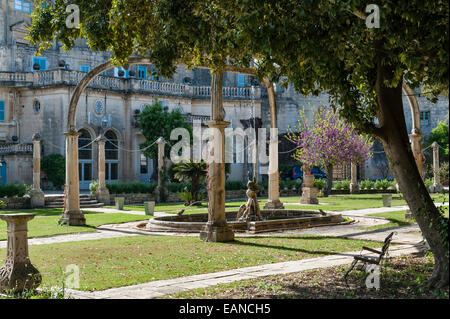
(372, 250)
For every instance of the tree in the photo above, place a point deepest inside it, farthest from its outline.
(193, 173)
(320, 45)
(328, 141)
(155, 121)
(54, 166)
(326, 45)
(440, 135)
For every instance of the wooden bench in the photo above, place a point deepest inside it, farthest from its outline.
(374, 260)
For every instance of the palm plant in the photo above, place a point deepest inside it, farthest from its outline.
(193, 173)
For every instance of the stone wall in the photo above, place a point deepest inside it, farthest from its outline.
(16, 202)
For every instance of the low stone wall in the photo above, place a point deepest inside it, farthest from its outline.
(363, 191)
(140, 198)
(16, 202)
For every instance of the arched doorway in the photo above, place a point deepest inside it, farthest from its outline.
(85, 158)
(111, 157)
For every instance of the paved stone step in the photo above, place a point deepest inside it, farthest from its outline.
(81, 205)
(82, 200)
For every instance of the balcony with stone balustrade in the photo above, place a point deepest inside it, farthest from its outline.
(53, 78)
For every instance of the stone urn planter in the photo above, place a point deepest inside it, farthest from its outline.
(308, 180)
(119, 201)
(387, 200)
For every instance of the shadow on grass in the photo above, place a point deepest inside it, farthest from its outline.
(294, 249)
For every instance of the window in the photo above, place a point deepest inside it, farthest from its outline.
(142, 72)
(85, 68)
(36, 106)
(144, 164)
(425, 118)
(111, 156)
(2, 111)
(241, 80)
(42, 63)
(98, 107)
(22, 5)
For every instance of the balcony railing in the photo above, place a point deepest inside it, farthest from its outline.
(65, 77)
(9, 149)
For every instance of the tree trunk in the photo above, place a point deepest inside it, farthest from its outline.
(393, 135)
(329, 186)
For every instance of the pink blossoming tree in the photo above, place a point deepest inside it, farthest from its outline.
(327, 142)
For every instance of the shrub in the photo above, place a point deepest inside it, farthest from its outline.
(54, 166)
(2, 204)
(93, 186)
(235, 185)
(14, 190)
(443, 173)
(342, 185)
(428, 182)
(319, 183)
(366, 184)
(383, 184)
(174, 187)
(131, 187)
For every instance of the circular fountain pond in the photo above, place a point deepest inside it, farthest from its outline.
(272, 220)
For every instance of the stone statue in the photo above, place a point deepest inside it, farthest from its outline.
(250, 210)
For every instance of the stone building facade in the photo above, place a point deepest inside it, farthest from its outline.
(35, 92)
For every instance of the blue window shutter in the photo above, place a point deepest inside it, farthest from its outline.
(142, 72)
(241, 80)
(85, 68)
(2, 111)
(42, 63)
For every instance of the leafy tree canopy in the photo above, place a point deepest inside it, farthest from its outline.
(155, 122)
(440, 135)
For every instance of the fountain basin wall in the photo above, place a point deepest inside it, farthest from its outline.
(273, 220)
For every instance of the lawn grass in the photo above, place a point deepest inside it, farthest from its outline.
(46, 222)
(116, 262)
(401, 278)
(332, 203)
(396, 219)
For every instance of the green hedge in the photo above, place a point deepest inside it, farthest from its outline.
(342, 185)
(131, 187)
(14, 190)
(366, 184)
(383, 184)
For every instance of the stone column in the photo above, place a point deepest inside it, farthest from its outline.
(160, 191)
(437, 186)
(415, 139)
(102, 193)
(18, 273)
(216, 229)
(354, 187)
(37, 198)
(72, 214)
(274, 174)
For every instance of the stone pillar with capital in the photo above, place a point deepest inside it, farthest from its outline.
(217, 229)
(72, 214)
(274, 174)
(102, 192)
(160, 190)
(37, 197)
(437, 186)
(415, 139)
(354, 187)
